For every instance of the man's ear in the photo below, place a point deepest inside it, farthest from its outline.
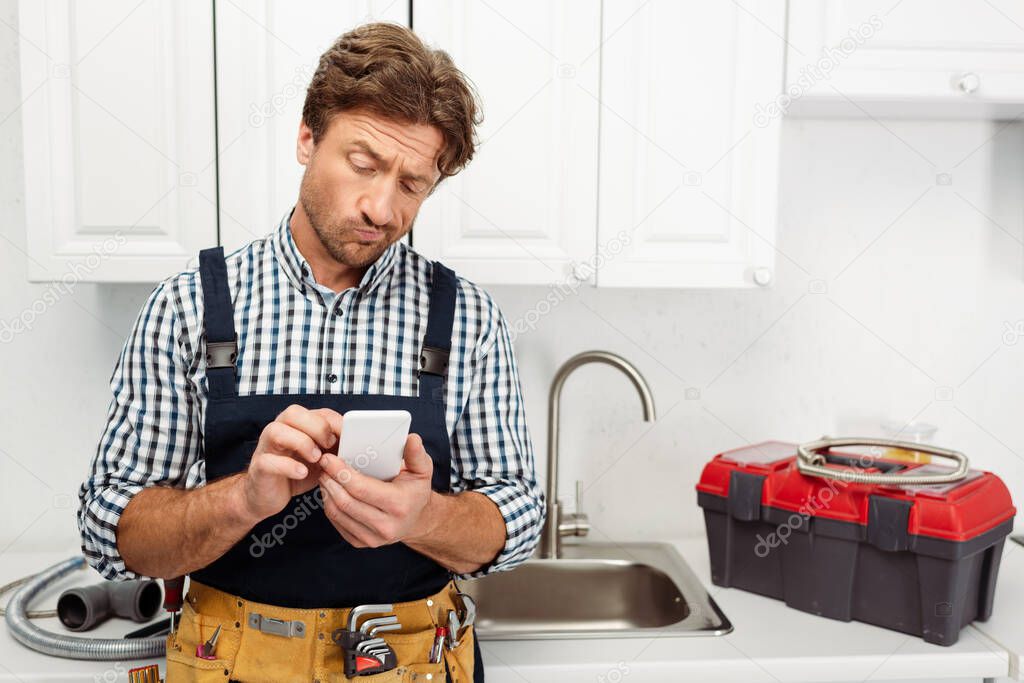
(304, 144)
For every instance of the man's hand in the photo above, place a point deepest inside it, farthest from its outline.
(286, 460)
(370, 513)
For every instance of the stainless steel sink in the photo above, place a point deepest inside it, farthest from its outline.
(597, 590)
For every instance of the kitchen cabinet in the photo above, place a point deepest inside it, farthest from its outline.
(619, 146)
(124, 129)
(688, 172)
(267, 53)
(117, 113)
(525, 209)
(916, 58)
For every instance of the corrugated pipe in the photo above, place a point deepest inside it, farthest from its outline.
(71, 647)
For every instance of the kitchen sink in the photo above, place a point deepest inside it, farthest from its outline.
(597, 590)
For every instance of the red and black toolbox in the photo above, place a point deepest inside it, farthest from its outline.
(920, 559)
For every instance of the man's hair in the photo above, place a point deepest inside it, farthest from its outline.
(387, 70)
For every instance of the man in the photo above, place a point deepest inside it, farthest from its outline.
(219, 459)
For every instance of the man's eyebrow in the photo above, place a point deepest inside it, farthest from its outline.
(362, 146)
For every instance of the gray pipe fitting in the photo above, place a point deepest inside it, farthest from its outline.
(63, 645)
(83, 608)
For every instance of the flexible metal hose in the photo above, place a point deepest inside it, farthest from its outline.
(809, 461)
(71, 647)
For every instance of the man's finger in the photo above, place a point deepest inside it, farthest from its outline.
(283, 439)
(415, 457)
(379, 494)
(352, 530)
(312, 422)
(280, 465)
(356, 509)
(334, 420)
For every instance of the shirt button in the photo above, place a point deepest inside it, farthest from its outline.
(337, 312)
(332, 378)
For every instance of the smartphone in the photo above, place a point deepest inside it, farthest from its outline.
(373, 441)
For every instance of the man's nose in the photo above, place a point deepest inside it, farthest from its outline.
(375, 205)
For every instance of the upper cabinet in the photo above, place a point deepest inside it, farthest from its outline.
(919, 58)
(632, 143)
(688, 172)
(119, 155)
(267, 52)
(619, 145)
(525, 209)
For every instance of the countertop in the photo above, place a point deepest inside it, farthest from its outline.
(770, 642)
(1006, 625)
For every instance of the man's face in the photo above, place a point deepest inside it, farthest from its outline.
(365, 181)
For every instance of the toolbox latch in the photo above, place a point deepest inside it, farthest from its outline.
(887, 523)
(745, 495)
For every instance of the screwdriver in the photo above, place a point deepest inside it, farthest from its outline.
(144, 674)
(173, 589)
(205, 651)
(436, 651)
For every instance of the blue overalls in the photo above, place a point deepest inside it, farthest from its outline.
(316, 567)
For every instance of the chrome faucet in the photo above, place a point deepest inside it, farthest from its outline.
(558, 525)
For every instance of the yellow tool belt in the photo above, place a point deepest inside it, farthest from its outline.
(301, 649)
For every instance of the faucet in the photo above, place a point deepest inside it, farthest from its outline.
(556, 525)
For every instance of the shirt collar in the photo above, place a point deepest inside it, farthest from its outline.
(301, 275)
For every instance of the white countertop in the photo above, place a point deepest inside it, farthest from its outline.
(1006, 625)
(770, 642)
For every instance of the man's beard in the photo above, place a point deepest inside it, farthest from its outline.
(333, 233)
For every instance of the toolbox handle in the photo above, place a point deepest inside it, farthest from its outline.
(810, 462)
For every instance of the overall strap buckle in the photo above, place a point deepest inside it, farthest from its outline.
(277, 627)
(221, 354)
(434, 361)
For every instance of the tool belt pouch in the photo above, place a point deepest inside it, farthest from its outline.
(247, 654)
(183, 663)
(461, 660)
(411, 651)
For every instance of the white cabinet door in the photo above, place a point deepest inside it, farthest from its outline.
(688, 173)
(118, 126)
(909, 58)
(267, 52)
(524, 210)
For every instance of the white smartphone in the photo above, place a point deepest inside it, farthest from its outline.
(373, 441)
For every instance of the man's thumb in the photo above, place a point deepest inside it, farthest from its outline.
(416, 459)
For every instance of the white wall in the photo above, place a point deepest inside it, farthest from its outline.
(918, 286)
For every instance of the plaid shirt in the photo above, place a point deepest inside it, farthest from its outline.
(296, 336)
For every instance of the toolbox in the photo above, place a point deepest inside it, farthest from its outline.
(848, 535)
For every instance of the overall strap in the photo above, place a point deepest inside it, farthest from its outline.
(219, 323)
(437, 342)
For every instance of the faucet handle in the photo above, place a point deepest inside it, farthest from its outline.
(577, 523)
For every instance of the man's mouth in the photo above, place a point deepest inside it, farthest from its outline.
(369, 235)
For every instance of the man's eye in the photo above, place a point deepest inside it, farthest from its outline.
(411, 189)
(362, 169)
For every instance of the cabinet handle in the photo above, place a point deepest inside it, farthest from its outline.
(968, 83)
(763, 277)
